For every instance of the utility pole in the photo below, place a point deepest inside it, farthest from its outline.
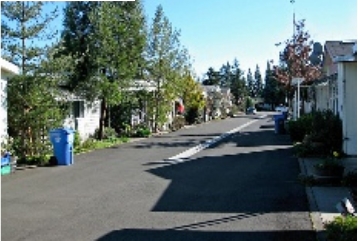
(294, 41)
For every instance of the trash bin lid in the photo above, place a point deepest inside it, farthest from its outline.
(68, 130)
(63, 130)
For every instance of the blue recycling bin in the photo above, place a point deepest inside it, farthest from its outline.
(285, 114)
(62, 140)
(279, 124)
(5, 159)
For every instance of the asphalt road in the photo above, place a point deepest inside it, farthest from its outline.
(242, 188)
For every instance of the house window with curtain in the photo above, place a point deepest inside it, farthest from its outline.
(78, 109)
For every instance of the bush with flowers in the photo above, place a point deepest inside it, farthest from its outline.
(330, 166)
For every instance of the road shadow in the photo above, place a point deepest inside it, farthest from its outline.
(192, 235)
(257, 182)
(260, 177)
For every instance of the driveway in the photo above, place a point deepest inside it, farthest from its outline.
(243, 188)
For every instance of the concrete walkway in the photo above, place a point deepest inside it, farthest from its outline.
(323, 199)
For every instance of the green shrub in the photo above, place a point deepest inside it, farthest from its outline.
(141, 130)
(191, 115)
(178, 122)
(34, 160)
(77, 140)
(108, 133)
(300, 127)
(302, 149)
(323, 127)
(327, 129)
(342, 229)
(89, 144)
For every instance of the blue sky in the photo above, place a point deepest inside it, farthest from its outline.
(217, 31)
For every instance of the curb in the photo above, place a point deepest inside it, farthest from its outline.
(314, 212)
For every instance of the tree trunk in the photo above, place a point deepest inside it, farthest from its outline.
(102, 119)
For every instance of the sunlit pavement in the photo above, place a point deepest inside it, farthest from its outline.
(243, 187)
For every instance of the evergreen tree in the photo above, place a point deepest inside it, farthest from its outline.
(238, 83)
(273, 92)
(167, 60)
(213, 77)
(76, 41)
(225, 75)
(250, 84)
(112, 35)
(258, 82)
(32, 106)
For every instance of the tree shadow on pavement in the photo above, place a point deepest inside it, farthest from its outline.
(257, 182)
(190, 235)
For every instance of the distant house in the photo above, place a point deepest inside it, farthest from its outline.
(7, 70)
(218, 99)
(326, 89)
(141, 115)
(226, 99)
(83, 116)
(213, 95)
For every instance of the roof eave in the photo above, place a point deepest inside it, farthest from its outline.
(9, 67)
(347, 58)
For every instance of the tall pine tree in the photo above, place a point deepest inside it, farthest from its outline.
(238, 83)
(32, 105)
(258, 82)
(250, 84)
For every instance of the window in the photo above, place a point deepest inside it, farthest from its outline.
(78, 109)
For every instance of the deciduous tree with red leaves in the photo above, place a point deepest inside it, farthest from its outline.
(295, 61)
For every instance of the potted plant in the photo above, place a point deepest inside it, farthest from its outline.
(330, 166)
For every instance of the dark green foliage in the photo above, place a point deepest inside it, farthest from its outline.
(141, 131)
(178, 122)
(320, 132)
(302, 149)
(237, 84)
(350, 179)
(120, 117)
(327, 128)
(273, 92)
(191, 115)
(250, 81)
(213, 77)
(258, 84)
(300, 127)
(76, 37)
(342, 229)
